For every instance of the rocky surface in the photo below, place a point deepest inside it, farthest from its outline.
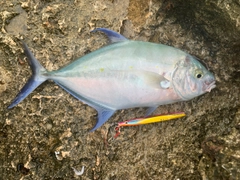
(47, 134)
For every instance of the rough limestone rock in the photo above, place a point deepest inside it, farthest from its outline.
(47, 134)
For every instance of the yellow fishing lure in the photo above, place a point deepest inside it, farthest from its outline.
(151, 119)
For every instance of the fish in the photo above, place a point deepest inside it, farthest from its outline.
(124, 74)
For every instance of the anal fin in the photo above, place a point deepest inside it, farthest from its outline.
(103, 113)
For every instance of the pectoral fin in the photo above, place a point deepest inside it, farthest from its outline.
(154, 80)
(165, 84)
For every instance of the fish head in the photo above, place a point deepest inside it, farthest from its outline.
(191, 78)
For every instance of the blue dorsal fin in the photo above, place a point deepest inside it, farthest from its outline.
(112, 35)
(150, 110)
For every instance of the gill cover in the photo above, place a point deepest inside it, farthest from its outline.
(191, 78)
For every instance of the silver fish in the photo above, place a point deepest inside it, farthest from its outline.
(125, 74)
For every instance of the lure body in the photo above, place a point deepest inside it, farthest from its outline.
(151, 119)
(125, 74)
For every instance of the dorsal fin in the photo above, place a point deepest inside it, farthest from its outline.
(112, 35)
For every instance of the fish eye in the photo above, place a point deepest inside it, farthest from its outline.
(198, 74)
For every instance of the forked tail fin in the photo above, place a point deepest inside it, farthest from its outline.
(34, 81)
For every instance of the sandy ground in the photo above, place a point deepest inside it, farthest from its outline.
(47, 134)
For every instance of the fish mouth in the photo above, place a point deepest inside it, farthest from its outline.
(210, 86)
